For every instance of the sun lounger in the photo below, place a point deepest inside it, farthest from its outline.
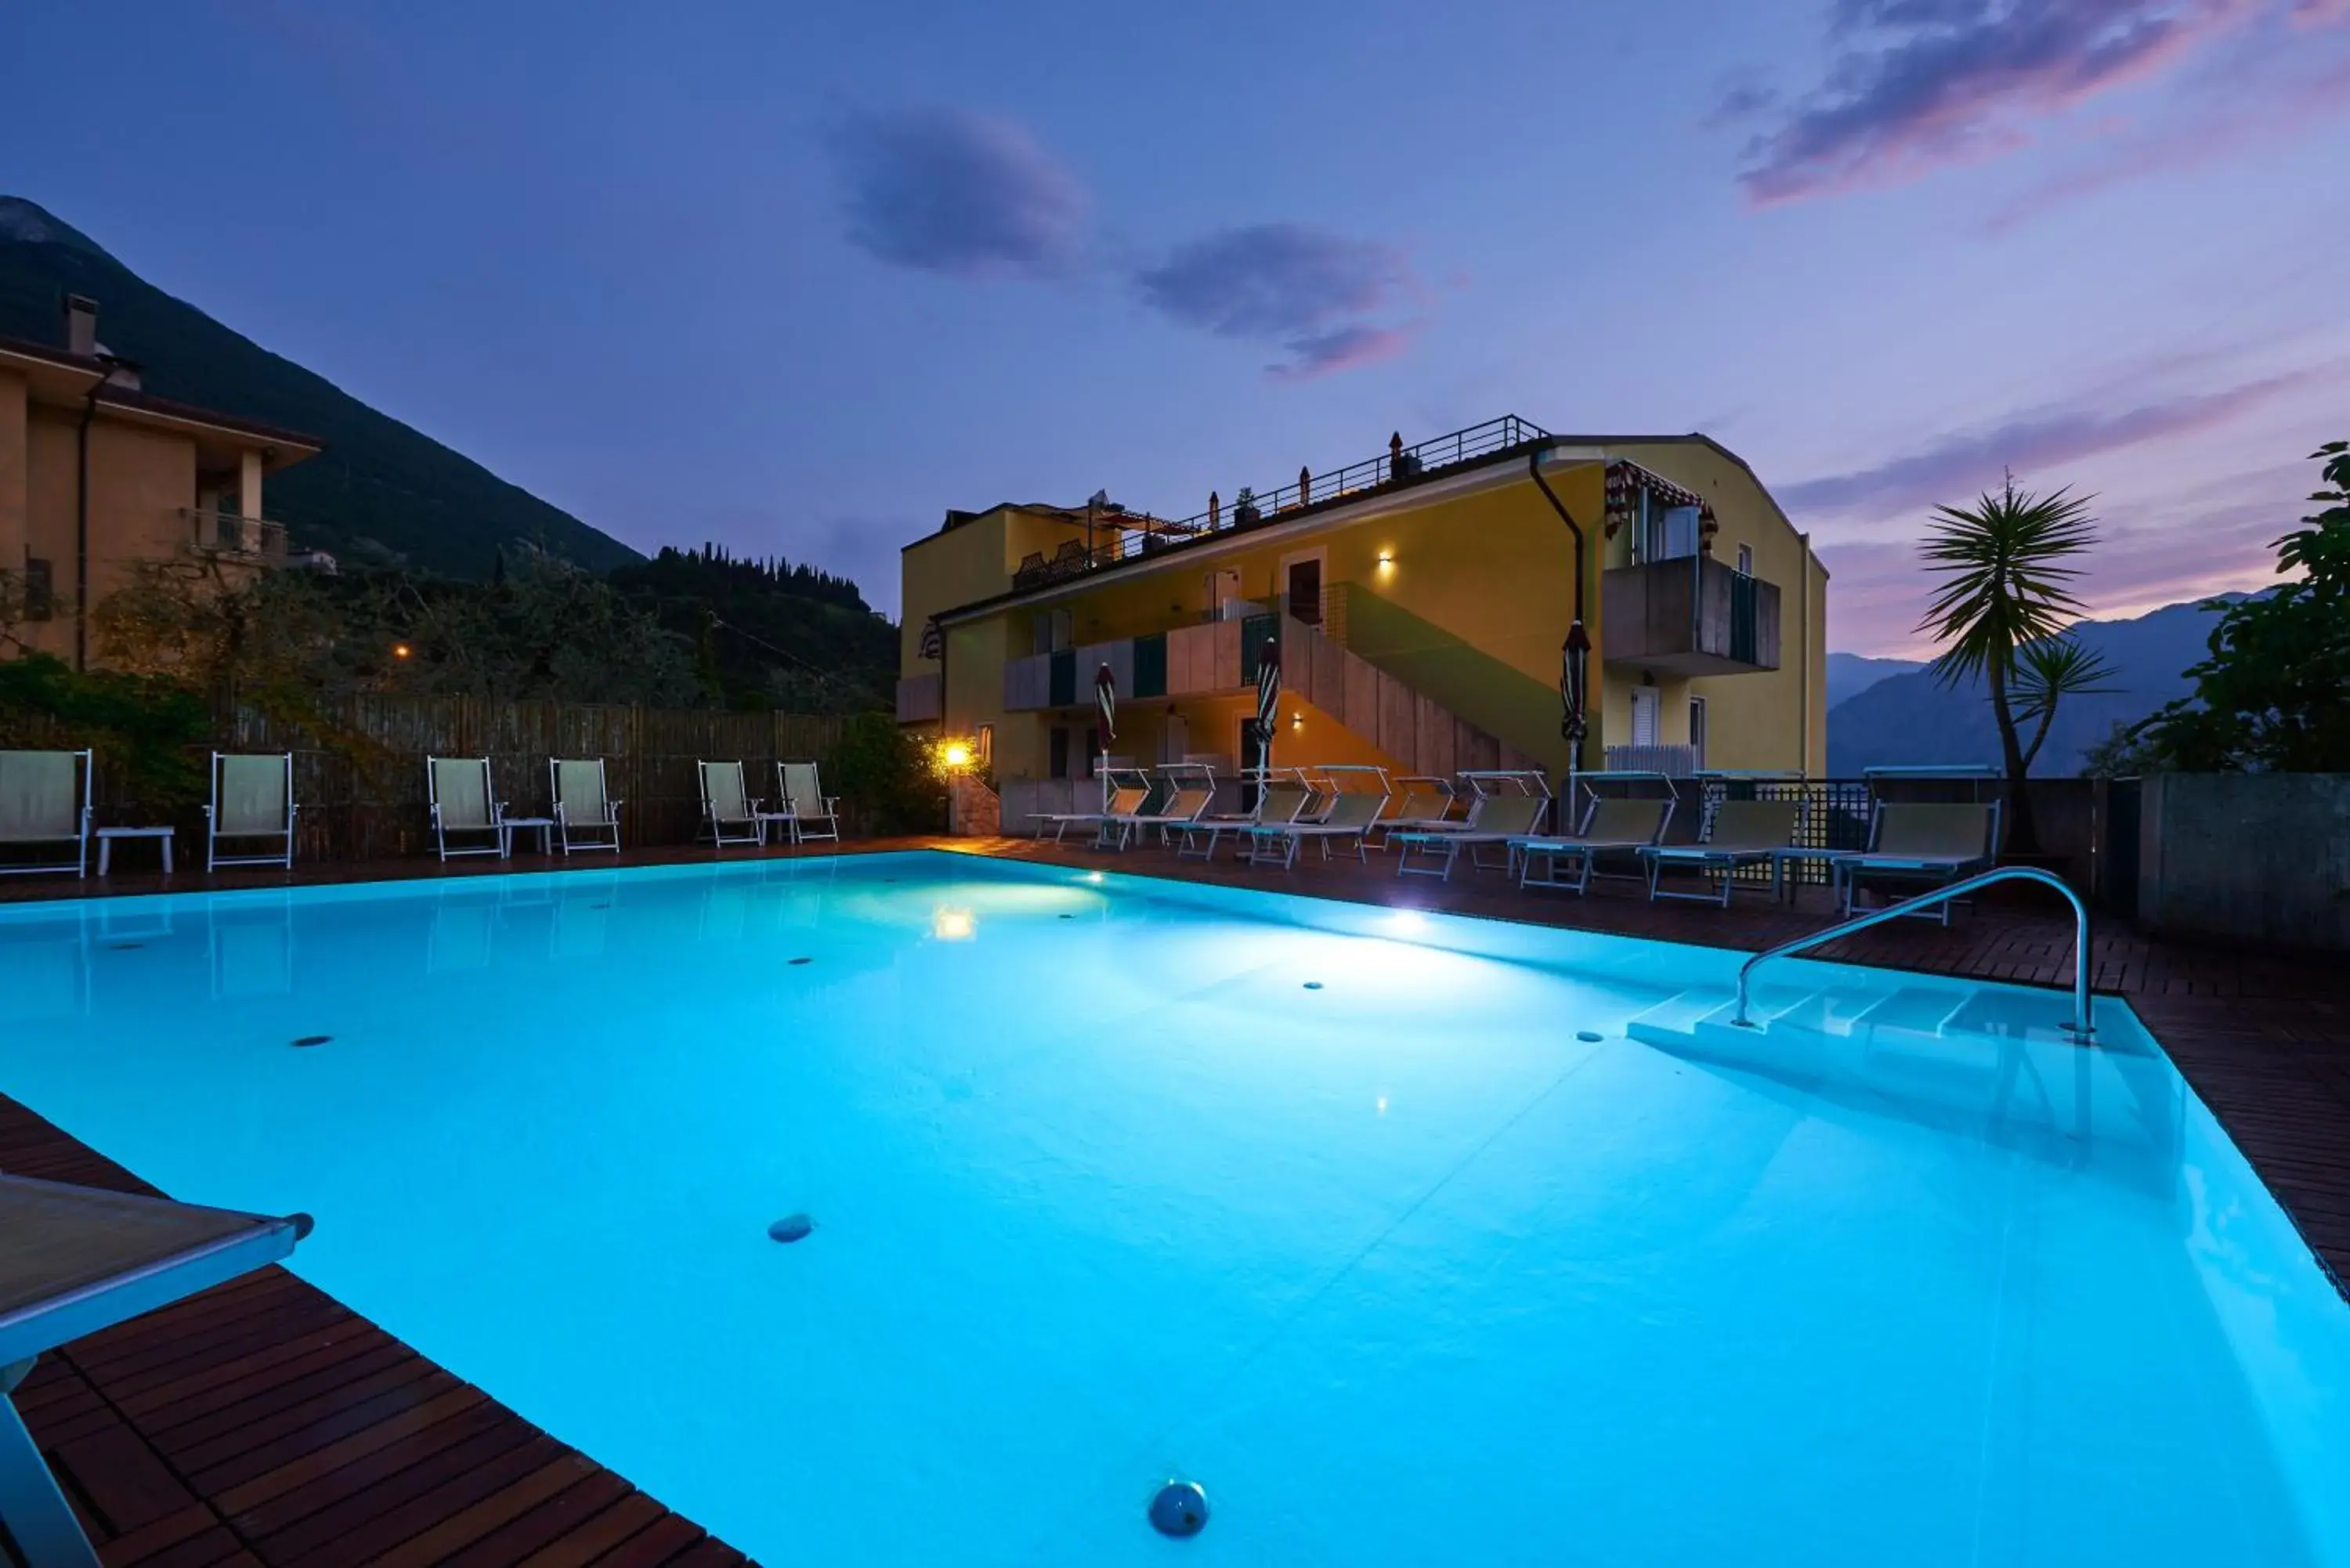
(463, 804)
(78, 1260)
(1609, 827)
(253, 802)
(814, 813)
(1737, 833)
(586, 815)
(728, 814)
(1358, 794)
(1494, 819)
(1191, 789)
(1421, 802)
(41, 809)
(1275, 804)
(1930, 842)
(1126, 790)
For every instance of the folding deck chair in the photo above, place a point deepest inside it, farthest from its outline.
(79, 1259)
(806, 802)
(253, 800)
(38, 808)
(1609, 826)
(1124, 793)
(1423, 802)
(1277, 803)
(1190, 790)
(586, 815)
(463, 803)
(728, 812)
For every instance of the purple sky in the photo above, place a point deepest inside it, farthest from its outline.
(797, 278)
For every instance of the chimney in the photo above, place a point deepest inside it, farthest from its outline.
(81, 327)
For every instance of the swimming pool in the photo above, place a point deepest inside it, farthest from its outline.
(1334, 1210)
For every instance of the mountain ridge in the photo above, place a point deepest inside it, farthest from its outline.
(382, 493)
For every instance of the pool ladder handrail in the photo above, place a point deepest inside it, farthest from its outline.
(2080, 1028)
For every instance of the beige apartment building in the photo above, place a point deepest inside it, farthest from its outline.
(98, 475)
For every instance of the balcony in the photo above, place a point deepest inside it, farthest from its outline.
(1189, 661)
(248, 539)
(1689, 615)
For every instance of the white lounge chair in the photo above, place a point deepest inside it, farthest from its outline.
(586, 815)
(39, 808)
(463, 803)
(79, 1259)
(1190, 790)
(805, 800)
(1609, 826)
(1277, 803)
(1492, 819)
(1921, 841)
(1358, 794)
(1423, 802)
(728, 814)
(1125, 791)
(1737, 833)
(253, 802)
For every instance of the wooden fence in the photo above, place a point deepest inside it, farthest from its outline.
(366, 799)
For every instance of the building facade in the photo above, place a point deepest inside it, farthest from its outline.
(98, 476)
(1417, 602)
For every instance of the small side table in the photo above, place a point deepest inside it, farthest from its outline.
(107, 836)
(542, 825)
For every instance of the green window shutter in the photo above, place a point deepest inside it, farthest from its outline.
(1150, 665)
(1063, 690)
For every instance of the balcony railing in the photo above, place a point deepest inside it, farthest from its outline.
(1689, 615)
(1125, 535)
(252, 539)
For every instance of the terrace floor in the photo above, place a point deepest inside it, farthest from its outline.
(264, 1423)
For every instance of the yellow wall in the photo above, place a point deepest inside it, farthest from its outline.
(1480, 559)
(1757, 720)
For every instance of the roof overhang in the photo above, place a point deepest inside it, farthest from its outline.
(62, 379)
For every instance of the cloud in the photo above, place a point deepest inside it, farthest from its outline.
(1919, 83)
(948, 191)
(1309, 291)
(2038, 438)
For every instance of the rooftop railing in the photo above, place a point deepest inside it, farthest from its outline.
(1123, 536)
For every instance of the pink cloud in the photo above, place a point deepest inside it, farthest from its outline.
(1938, 82)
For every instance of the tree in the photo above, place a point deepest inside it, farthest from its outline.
(2274, 693)
(2008, 564)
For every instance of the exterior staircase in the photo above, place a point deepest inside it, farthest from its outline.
(1417, 731)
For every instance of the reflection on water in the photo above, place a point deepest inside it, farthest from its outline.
(250, 946)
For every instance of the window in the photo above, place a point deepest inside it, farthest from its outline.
(1647, 704)
(40, 590)
(1058, 748)
(1665, 533)
(986, 747)
(1745, 560)
(1697, 730)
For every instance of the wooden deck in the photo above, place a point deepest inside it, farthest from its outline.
(264, 1423)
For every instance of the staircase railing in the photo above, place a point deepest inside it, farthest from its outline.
(2080, 1028)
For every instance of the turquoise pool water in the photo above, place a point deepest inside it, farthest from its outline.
(1400, 1269)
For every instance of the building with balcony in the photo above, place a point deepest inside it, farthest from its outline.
(1419, 601)
(97, 475)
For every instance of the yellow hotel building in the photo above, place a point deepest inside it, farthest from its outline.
(1420, 601)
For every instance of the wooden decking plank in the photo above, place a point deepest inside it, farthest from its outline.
(408, 1428)
(242, 1455)
(456, 1532)
(657, 1543)
(581, 1503)
(126, 1485)
(593, 1540)
(336, 1505)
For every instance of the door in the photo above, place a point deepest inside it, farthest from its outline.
(1697, 732)
(1647, 705)
(1251, 753)
(1301, 586)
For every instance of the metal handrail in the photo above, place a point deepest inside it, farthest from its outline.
(2080, 1028)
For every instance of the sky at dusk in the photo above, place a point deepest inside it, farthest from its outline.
(797, 278)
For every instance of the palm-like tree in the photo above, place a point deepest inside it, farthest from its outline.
(2008, 566)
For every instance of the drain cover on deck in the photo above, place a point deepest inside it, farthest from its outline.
(1180, 1509)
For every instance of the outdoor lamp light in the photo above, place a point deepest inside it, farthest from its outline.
(956, 755)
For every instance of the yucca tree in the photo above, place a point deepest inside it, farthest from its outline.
(2008, 564)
